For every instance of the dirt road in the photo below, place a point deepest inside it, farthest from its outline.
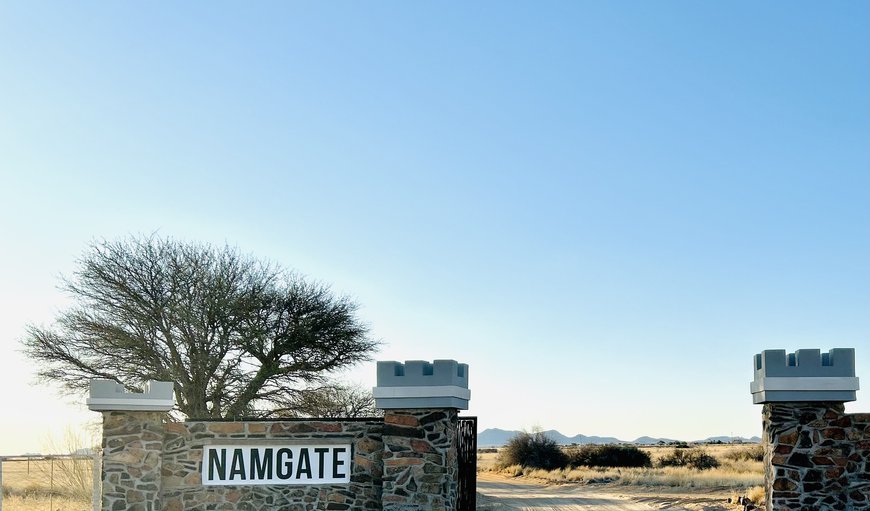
(529, 496)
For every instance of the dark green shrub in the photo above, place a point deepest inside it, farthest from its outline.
(608, 456)
(533, 450)
(693, 458)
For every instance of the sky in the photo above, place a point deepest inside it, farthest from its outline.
(604, 208)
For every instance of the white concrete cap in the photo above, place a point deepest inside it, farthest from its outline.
(107, 395)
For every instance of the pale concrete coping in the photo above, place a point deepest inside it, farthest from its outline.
(440, 391)
(805, 383)
(108, 395)
(807, 375)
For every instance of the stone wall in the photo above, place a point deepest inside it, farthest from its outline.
(183, 452)
(816, 457)
(404, 462)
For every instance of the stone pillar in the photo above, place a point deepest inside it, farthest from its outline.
(421, 402)
(132, 443)
(814, 454)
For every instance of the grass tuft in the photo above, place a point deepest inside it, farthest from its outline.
(756, 495)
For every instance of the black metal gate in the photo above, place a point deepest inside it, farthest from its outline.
(467, 454)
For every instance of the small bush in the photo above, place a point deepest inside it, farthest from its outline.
(693, 458)
(533, 450)
(754, 453)
(608, 456)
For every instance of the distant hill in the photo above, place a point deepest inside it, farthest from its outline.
(494, 437)
(579, 439)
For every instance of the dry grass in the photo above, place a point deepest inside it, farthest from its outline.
(722, 452)
(486, 461)
(738, 474)
(34, 489)
(756, 495)
(681, 477)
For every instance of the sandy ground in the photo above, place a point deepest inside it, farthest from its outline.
(528, 495)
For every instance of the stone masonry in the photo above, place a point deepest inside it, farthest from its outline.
(149, 465)
(181, 481)
(420, 460)
(132, 460)
(405, 461)
(816, 457)
(420, 400)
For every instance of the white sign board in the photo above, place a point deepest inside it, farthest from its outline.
(224, 465)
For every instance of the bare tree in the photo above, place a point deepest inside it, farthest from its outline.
(332, 401)
(239, 337)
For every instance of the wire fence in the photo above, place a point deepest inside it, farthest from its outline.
(50, 477)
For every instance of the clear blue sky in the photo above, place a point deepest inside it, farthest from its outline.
(605, 208)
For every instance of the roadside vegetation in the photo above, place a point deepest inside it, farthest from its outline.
(54, 482)
(533, 450)
(61, 484)
(695, 458)
(608, 456)
(735, 468)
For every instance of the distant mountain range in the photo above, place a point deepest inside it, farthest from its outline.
(494, 437)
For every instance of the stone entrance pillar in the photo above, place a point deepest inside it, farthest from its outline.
(421, 402)
(132, 443)
(814, 454)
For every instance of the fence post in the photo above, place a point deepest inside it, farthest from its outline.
(1, 484)
(97, 497)
(51, 487)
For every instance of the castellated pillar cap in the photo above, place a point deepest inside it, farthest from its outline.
(108, 395)
(805, 375)
(421, 384)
